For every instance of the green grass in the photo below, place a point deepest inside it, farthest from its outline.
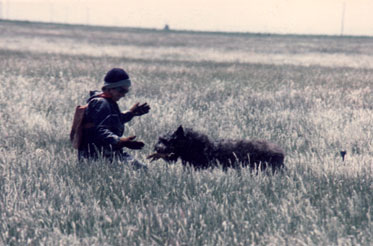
(311, 95)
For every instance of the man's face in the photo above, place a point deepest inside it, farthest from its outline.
(118, 93)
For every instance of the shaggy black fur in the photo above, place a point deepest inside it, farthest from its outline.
(196, 149)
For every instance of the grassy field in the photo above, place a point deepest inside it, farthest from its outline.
(311, 95)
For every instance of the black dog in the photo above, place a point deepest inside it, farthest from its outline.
(195, 149)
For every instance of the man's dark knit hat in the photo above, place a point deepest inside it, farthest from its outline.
(116, 77)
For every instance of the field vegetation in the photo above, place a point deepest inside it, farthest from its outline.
(313, 95)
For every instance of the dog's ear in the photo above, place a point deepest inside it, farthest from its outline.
(180, 131)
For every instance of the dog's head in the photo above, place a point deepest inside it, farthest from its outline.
(169, 146)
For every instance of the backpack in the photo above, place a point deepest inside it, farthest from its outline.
(76, 133)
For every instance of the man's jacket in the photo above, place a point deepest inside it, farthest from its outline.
(106, 123)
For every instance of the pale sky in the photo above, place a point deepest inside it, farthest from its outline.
(333, 17)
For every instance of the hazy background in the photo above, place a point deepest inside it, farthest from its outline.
(332, 17)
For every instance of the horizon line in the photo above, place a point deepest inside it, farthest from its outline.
(219, 32)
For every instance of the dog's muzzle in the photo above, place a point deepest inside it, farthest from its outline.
(167, 157)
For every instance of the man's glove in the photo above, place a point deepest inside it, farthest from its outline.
(140, 109)
(129, 142)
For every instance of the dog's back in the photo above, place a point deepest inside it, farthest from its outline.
(253, 153)
(202, 152)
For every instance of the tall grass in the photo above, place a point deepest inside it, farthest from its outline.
(313, 108)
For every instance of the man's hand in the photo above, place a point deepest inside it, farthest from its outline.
(129, 142)
(140, 109)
